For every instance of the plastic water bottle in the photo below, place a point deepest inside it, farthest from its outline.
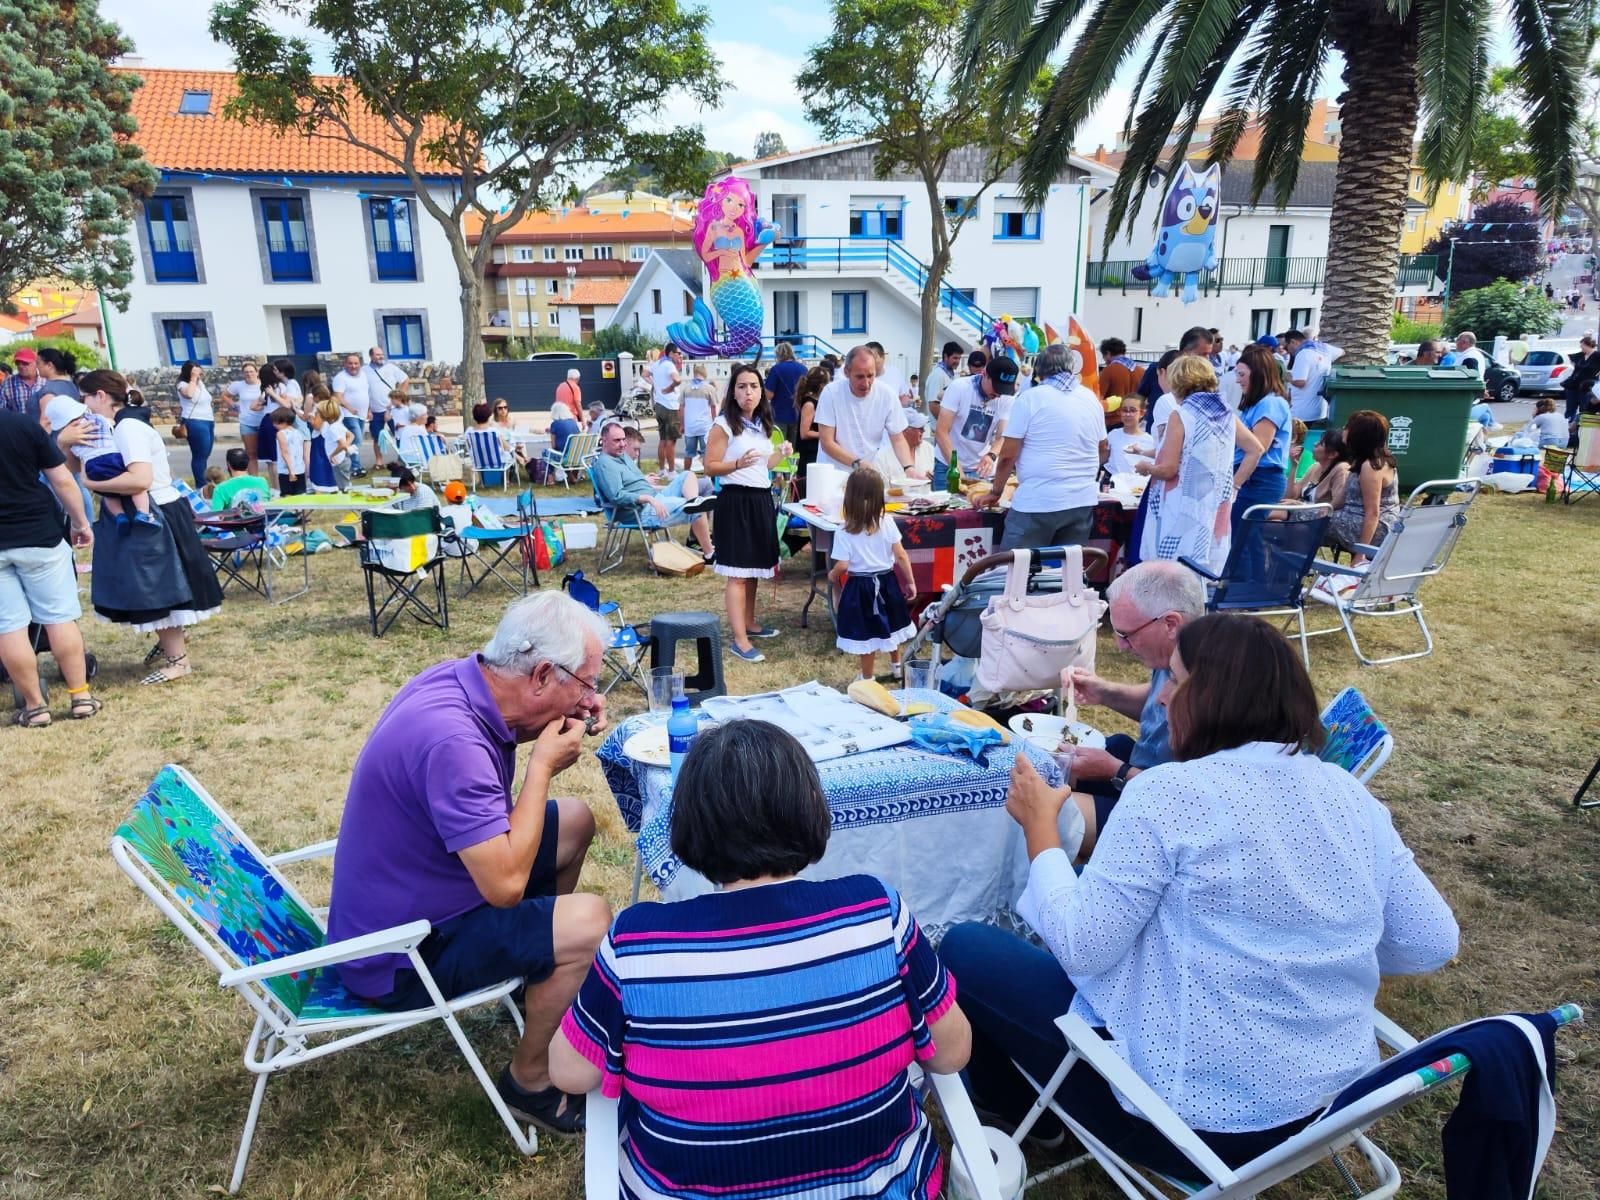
(681, 728)
(952, 478)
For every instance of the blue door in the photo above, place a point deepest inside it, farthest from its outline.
(309, 334)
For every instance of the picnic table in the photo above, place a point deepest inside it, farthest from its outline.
(934, 826)
(942, 545)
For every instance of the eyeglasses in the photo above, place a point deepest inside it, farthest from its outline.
(589, 688)
(1133, 633)
(501, 408)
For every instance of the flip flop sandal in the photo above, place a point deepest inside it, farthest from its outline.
(541, 1108)
(84, 707)
(162, 676)
(28, 718)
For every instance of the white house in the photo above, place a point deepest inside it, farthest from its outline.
(664, 291)
(1271, 264)
(848, 264)
(256, 243)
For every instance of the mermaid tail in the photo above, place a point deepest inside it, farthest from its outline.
(735, 302)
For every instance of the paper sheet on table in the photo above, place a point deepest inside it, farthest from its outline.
(826, 722)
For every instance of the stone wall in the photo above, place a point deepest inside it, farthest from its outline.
(438, 385)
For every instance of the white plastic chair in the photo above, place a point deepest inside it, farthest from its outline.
(601, 1177)
(265, 942)
(1417, 548)
(1336, 1129)
(580, 451)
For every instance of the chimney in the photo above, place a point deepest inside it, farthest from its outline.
(1100, 153)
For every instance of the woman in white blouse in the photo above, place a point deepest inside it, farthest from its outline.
(1228, 930)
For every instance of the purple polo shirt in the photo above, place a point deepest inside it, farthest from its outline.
(434, 778)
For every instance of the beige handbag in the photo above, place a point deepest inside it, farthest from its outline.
(1029, 640)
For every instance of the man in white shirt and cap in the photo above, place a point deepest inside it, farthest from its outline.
(916, 441)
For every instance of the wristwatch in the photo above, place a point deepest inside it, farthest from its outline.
(854, 463)
(1120, 779)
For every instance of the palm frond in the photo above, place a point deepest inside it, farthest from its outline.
(1136, 96)
(997, 27)
(1291, 72)
(1113, 29)
(1195, 90)
(1452, 65)
(1041, 40)
(1552, 45)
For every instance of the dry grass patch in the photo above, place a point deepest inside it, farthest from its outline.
(119, 1058)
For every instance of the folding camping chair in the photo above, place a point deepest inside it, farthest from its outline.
(1357, 740)
(1340, 1126)
(236, 907)
(248, 549)
(490, 546)
(625, 653)
(601, 1172)
(1417, 548)
(441, 462)
(403, 550)
(579, 451)
(492, 463)
(1581, 474)
(1267, 567)
(623, 520)
(388, 448)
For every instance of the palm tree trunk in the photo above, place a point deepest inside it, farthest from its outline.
(1377, 121)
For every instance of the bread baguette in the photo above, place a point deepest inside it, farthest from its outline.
(869, 693)
(980, 720)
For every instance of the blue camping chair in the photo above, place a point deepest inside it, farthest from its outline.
(623, 520)
(625, 653)
(1268, 565)
(492, 547)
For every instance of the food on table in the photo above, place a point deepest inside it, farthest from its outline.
(869, 693)
(980, 720)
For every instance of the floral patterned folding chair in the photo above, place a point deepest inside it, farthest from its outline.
(1357, 740)
(235, 906)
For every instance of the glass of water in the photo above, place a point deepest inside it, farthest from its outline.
(665, 683)
(922, 673)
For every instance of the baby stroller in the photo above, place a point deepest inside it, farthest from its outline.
(952, 621)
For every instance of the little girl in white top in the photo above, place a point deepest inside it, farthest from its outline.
(871, 613)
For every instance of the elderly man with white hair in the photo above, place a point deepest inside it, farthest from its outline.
(1150, 603)
(436, 829)
(569, 395)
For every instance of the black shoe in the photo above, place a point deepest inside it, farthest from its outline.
(700, 504)
(540, 1108)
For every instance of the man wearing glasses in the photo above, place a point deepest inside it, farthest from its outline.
(435, 828)
(1150, 603)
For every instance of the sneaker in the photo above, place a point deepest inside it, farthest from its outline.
(751, 655)
(145, 518)
(700, 503)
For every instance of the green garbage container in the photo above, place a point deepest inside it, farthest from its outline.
(1429, 411)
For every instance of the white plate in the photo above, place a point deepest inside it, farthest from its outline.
(649, 746)
(1048, 727)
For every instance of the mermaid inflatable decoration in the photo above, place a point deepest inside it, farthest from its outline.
(729, 237)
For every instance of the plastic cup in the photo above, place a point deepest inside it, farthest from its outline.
(922, 673)
(665, 683)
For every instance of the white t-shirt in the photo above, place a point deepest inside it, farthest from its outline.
(976, 417)
(895, 382)
(380, 382)
(244, 395)
(137, 442)
(1121, 441)
(1470, 358)
(352, 393)
(751, 437)
(423, 498)
(1307, 403)
(292, 450)
(867, 553)
(332, 433)
(663, 374)
(400, 414)
(196, 407)
(1166, 405)
(1061, 434)
(411, 439)
(860, 424)
(699, 408)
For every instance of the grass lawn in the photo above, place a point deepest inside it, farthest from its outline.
(120, 1068)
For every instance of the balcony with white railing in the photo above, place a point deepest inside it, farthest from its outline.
(1258, 275)
(870, 256)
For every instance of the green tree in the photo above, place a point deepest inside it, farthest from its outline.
(70, 180)
(1411, 71)
(515, 96)
(1503, 308)
(770, 143)
(1500, 147)
(888, 72)
(1500, 241)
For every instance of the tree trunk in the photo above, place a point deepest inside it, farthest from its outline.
(469, 273)
(930, 315)
(1377, 121)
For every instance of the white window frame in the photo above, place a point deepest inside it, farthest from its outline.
(638, 253)
(553, 319)
(522, 254)
(549, 254)
(572, 253)
(605, 253)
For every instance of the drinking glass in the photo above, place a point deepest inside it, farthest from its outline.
(665, 683)
(922, 673)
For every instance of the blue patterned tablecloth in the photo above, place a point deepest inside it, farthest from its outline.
(934, 826)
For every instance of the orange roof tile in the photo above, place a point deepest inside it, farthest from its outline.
(581, 223)
(596, 291)
(177, 141)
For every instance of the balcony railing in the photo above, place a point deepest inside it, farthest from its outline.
(1256, 274)
(838, 255)
(394, 259)
(807, 346)
(289, 259)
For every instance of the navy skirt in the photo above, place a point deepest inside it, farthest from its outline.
(872, 614)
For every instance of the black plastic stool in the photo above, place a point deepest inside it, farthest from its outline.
(705, 631)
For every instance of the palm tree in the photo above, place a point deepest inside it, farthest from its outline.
(1266, 59)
